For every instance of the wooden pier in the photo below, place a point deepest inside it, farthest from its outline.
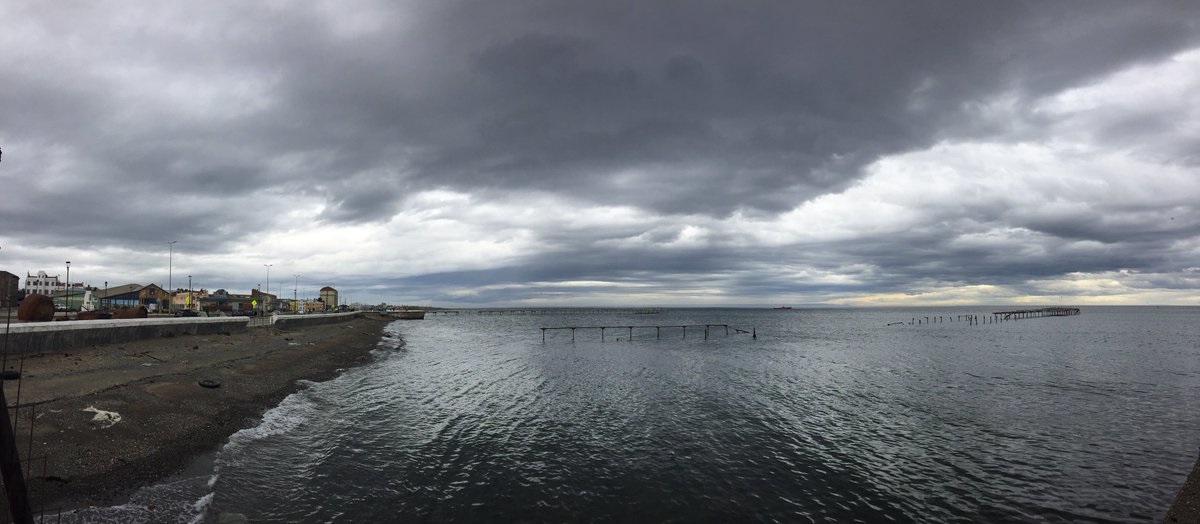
(406, 314)
(571, 311)
(996, 317)
(549, 311)
(657, 330)
(1035, 313)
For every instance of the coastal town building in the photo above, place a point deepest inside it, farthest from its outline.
(329, 297)
(224, 301)
(266, 301)
(9, 287)
(43, 284)
(187, 299)
(132, 295)
(310, 305)
(73, 298)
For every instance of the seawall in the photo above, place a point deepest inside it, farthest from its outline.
(294, 321)
(36, 338)
(32, 339)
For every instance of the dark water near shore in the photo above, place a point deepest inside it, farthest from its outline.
(830, 415)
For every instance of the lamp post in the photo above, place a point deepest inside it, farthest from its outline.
(268, 288)
(106, 302)
(170, 266)
(295, 286)
(67, 287)
(191, 302)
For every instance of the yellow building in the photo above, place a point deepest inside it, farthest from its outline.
(184, 299)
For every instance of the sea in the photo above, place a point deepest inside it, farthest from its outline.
(767, 415)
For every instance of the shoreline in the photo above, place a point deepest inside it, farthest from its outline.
(1186, 505)
(166, 418)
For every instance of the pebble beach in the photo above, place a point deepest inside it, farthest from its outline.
(109, 419)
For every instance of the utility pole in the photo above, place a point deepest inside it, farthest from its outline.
(170, 267)
(268, 288)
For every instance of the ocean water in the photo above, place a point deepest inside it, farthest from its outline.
(826, 416)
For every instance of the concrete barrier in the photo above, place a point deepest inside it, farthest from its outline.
(294, 321)
(31, 339)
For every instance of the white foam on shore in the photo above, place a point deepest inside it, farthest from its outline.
(182, 501)
(295, 410)
(201, 508)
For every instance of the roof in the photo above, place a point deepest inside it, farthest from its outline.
(117, 290)
(327, 288)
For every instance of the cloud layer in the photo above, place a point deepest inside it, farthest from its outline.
(673, 153)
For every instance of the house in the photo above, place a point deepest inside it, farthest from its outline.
(221, 300)
(329, 297)
(188, 298)
(311, 305)
(43, 284)
(265, 301)
(9, 286)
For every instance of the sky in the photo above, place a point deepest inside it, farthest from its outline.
(619, 153)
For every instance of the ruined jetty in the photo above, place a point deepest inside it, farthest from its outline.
(1056, 311)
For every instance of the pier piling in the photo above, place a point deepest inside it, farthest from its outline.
(629, 330)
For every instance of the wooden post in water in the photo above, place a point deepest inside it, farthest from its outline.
(631, 333)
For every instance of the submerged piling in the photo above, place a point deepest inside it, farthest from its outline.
(629, 330)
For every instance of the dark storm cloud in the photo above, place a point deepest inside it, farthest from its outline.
(772, 104)
(759, 105)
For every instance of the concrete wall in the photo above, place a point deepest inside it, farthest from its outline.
(294, 321)
(41, 337)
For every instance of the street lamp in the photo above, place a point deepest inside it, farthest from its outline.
(295, 286)
(268, 266)
(170, 264)
(191, 302)
(67, 287)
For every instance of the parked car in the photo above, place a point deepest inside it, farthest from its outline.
(246, 313)
(186, 313)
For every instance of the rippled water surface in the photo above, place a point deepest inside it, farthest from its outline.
(829, 415)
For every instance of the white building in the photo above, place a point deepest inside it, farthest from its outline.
(43, 284)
